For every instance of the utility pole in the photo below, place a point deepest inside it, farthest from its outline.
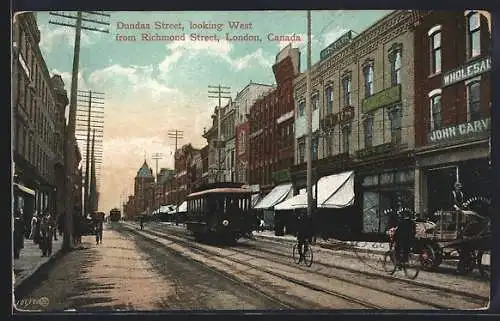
(309, 119)
(176, 134)
(77, 22)
(156, 157)
(220, 90)
(90, 116)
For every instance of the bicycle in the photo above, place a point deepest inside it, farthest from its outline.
(307, 254)
(391, 262)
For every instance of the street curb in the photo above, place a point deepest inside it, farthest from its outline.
(342, 245)
(33, 278)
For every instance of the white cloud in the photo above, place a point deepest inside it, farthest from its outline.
(56, 36)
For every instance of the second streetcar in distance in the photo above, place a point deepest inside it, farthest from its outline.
(114, 215)
(221, 214)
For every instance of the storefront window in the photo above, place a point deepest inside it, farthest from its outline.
(382, 192)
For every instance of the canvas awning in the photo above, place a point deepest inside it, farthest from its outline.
(275, 196)
(182, 208)
(334, 191)
(25, 189)
(165, 209)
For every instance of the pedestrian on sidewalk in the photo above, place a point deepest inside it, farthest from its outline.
(54, 229)
(18, 233)
(34, 230)
(46, 231)
(60, 223)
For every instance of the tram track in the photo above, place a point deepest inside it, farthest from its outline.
(413, 290)
(364, 296)
(208, 255)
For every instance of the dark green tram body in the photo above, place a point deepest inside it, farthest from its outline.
(220, 213)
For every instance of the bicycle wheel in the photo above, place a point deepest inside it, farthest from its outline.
(308, 256)
(484, 263)
(389, 262)
(412, 268)
(295, 254)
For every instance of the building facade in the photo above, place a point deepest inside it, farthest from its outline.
(244, 99)
(362, 102)
(37, 124)
(271, 125)
(211, 136)
(204, 165)
(228, 137)
(453, 107)
(183, 183)
(144, 183)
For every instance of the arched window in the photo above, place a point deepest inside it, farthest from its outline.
(435, 49)
(474, 98)
(473, 34)
(435, 109)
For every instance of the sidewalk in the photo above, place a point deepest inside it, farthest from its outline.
(31, 260)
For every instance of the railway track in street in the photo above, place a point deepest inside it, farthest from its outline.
(361, 294)
(426, 294)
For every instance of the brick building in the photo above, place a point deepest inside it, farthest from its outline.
(244, 99)
(452, 106)
(362, 102)
(204, 165)
(271, 125)
(38, 125)
(183, 183)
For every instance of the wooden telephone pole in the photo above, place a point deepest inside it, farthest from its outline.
(219, 92)
(78, 21)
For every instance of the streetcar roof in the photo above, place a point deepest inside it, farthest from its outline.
(226, 190)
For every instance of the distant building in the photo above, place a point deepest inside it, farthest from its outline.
(183, 183)
(144, 189)
(243, 101)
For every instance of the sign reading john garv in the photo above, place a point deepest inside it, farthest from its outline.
(467, 71)
(337, 45)
(472, 129)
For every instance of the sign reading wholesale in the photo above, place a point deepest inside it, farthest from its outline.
(467, 71)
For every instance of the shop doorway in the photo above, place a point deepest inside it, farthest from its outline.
(440, 183)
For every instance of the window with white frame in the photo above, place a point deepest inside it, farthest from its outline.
(302, 108)
(301, 150)
(474, 99)
(368, 130)
(395, 60)
(435, 110)
(315, 101)
(329, 100)
(435, 46)
(368, 75)
(396, 117)
(473, 34)
(346, 89)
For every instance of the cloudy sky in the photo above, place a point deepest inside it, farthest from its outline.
(154, 86)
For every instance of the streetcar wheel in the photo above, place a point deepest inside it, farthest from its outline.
(389, 262)
(484, 264)
(308, 256)
(295, 254)
(412, 268)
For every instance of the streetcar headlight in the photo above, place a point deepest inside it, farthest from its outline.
(225, 222)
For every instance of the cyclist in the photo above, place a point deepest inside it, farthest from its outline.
(404, 234)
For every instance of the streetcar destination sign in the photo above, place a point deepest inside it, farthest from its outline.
(467, 71)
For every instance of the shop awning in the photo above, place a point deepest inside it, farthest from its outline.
(275, 196)
(182, 208)
(334, 191)
(255, 199)
(25, 189)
